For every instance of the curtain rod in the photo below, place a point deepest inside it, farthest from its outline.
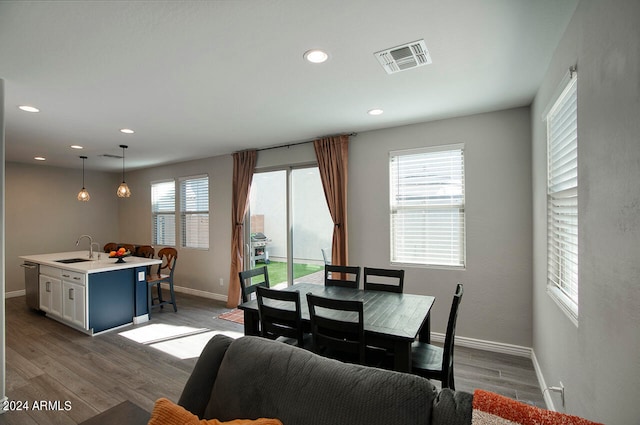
(288, 145)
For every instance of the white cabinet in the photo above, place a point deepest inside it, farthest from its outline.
(50, 295)
(63, 295)
(73, 298)
(73, 303)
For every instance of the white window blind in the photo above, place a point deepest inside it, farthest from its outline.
(562, 199)
(427, 206)
(163, 211)
(194, 211)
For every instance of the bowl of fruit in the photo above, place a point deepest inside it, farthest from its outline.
(120, 254)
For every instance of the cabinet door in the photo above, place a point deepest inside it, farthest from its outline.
(50, 290)
(44, 289)
(56, 297)
(73, 304)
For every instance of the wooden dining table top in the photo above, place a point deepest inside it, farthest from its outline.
(388, 314)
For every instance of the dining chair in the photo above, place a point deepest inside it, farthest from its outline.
(166, 269)
(344, 276)
(146, 251)
(337, 328)
(390, 280)
(251, 279)
(433, 362)
(111, 246)
(280, 315)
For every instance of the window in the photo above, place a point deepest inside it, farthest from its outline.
(194, 212)
(427, 206)
(163, 211)
(562, 200)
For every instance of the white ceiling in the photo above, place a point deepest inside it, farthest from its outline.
(203, 78)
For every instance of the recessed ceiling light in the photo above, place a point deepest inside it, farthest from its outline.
(76, 147)
(316, 56)
(39, 158)
(126, 131)
(375, 111)
(28, 108)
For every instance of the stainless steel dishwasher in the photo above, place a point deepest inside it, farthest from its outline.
(31, 277)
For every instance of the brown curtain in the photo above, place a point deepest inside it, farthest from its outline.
(243, 165)
(332, 154)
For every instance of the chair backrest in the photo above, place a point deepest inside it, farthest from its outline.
(389, 280)
(146, 251)
(251, 279)
(345, 276)
(111, 246)
(280, 314)
(326, 256)
(337, 326)
(447, 357)
(169, 256)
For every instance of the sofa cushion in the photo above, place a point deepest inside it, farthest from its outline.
(261, 378)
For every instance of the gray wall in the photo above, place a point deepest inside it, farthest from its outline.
(598, 361)
(497, 300)
(43, 214)
(198, 271)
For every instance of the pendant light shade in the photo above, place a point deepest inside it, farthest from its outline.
(123, 189)
(83, 195)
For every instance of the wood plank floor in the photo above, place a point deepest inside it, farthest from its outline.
(48, 361)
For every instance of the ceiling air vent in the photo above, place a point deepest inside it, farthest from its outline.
(401, 58)
(108, 155)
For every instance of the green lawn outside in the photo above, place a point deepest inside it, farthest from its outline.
(278, 271)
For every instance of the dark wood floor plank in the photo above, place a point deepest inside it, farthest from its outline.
(47, 360)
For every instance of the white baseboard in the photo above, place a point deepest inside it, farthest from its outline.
(541, 381)
(499, 347)
(199, 293)
(14, 294)
(479, 344)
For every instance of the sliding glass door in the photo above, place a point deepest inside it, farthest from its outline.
(289, 225)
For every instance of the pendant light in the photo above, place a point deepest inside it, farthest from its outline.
(83, 195)
(123, 189)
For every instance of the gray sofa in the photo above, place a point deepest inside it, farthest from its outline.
(253, 377)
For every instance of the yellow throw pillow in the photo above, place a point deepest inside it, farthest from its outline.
(166, 412)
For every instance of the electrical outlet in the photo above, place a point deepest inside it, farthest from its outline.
(221, 281)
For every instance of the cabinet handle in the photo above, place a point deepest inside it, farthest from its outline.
(48, 286)
(76, 278)
(66, 275)
(71, 294)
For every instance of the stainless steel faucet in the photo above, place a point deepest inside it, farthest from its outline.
(90, 244)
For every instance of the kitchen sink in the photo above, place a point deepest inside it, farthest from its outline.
(72, 260)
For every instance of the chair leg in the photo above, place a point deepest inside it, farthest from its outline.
(173, 297)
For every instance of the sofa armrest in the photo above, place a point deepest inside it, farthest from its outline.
(197, 391)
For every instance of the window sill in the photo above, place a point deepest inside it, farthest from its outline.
(567, 307)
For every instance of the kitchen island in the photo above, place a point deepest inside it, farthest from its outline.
(92, 295)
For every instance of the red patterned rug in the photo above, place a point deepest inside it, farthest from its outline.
(235, 315)
(494, 409)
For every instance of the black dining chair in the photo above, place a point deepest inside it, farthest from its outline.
(251, 279)
(280, 315)
(433, 362)
(337, 328)
(344, 276)
(390, 280)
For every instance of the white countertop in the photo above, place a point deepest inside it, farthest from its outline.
(104, 264)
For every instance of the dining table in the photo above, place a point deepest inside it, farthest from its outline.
(392, 321)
